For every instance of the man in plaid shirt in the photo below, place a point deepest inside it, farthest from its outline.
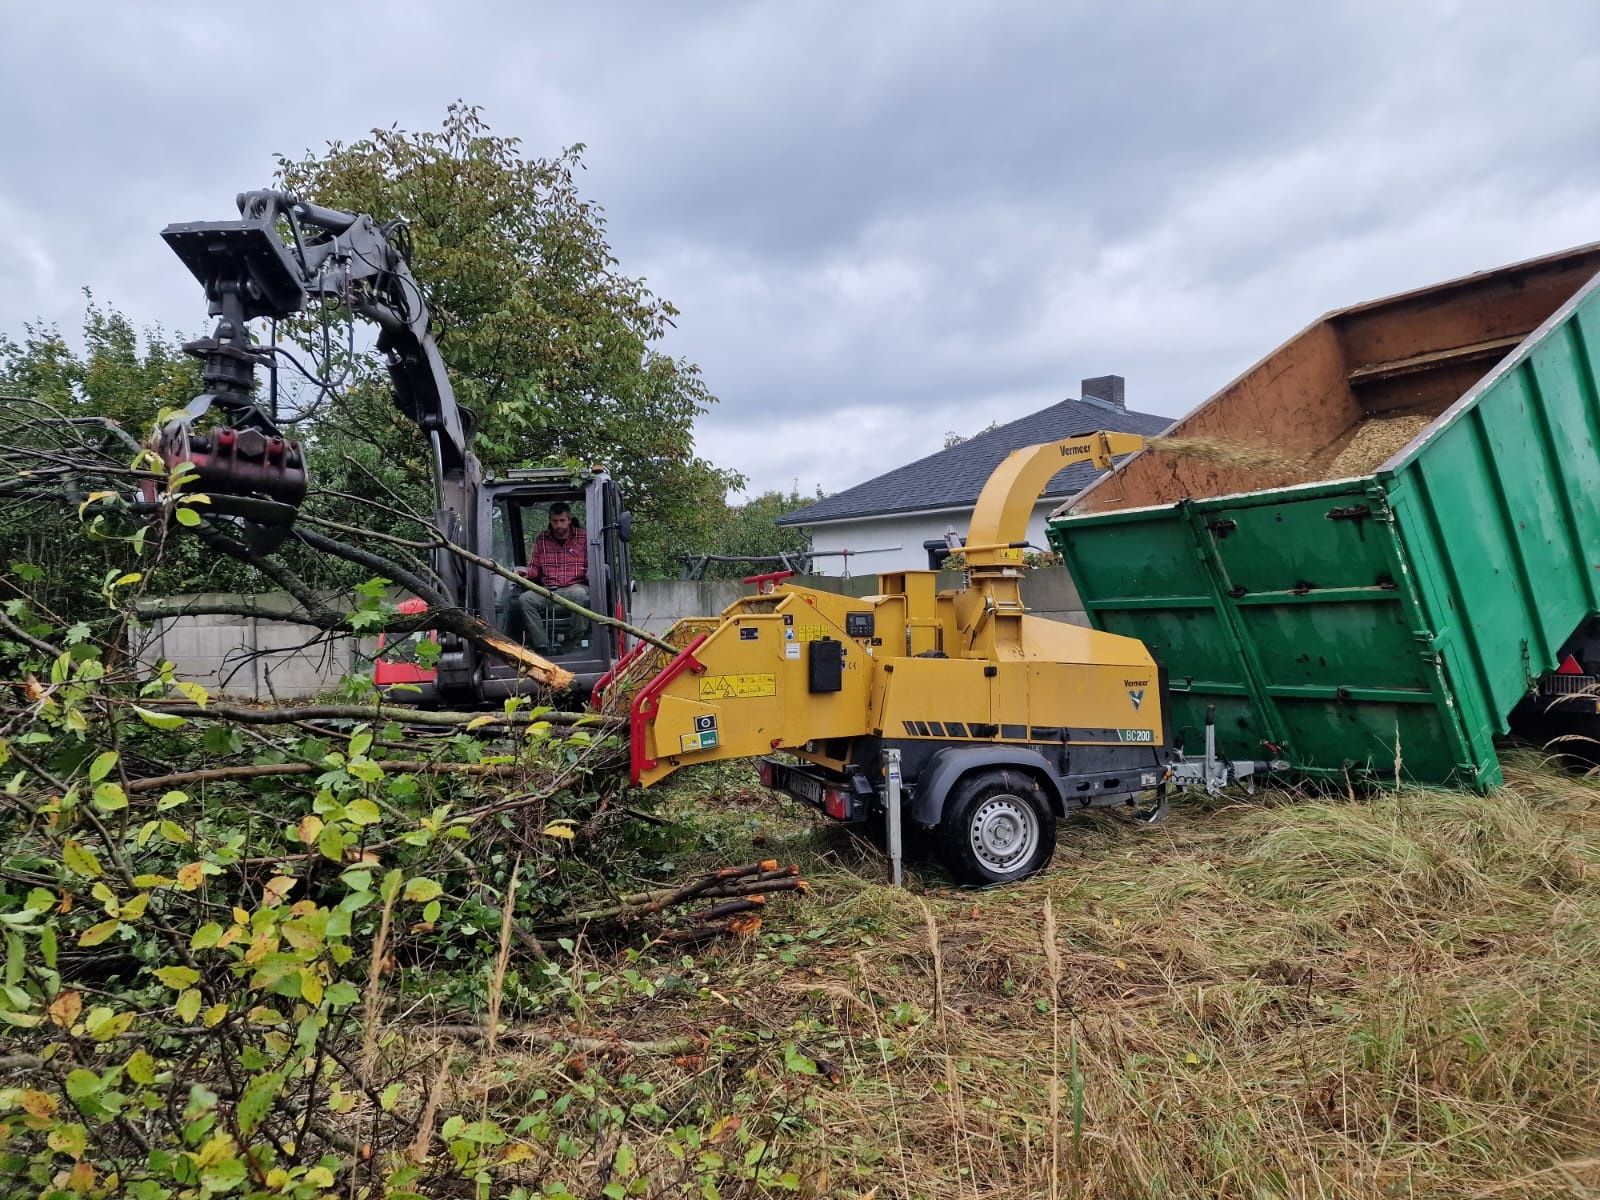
(560, 562)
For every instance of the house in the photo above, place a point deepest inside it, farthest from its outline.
(919, 502)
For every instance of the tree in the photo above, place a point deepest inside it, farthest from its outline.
(551, 347)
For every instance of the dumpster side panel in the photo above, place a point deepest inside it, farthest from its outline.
(1140, 575)
(1328, 609)
(1506, 532)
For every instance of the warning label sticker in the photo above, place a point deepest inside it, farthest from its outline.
(738, 687)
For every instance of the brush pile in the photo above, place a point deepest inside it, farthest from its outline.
(731, 901)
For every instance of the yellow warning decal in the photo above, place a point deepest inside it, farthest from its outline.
(737, 687)
(810, 633)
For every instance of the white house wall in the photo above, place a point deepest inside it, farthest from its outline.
(907, 531)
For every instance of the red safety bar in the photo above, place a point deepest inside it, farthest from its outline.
(645, 705)
(765, 583)
(597, 696)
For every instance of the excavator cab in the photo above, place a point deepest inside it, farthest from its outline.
(515, 510)
(509, 514)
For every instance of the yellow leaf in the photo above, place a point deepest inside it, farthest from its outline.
(94, 498)
(1192, 1058)
(560, 829)
(134, 909)
(96, 934)
(190, 875)
(80, 860)
(193, 692)
(37, 1104)
(109, 1026)
(142, 1068)
(81, 1178)
(310, 826)
(213, 1015)
(311, 987)
(64, 1009)
(478, 723)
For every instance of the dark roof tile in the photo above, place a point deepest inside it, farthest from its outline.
(953, 478)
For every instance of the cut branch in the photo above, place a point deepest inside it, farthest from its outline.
(289, 715)
(178, 779)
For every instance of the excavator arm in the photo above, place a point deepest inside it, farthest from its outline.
(279, 258)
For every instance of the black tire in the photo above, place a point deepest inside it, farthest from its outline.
(997, 827)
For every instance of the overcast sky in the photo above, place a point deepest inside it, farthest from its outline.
(882, 221)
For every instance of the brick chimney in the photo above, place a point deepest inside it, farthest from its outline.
(1106, 390)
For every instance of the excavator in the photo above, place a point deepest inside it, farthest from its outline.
(955, 710)
(282, 257)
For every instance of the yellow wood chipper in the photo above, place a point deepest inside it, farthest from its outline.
(955, 710)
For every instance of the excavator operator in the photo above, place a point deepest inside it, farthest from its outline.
(559, 561)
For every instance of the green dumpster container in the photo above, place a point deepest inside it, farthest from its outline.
(1391, 621)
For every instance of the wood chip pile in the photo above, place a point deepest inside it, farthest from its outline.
(1373, 442)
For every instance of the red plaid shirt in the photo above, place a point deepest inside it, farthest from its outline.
(558, 564)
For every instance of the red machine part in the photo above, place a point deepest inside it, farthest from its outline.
(387, 671)
(235, 462)
(598, 695)
(646, 704)
(765, 583)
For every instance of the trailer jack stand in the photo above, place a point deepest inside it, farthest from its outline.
(894, 817)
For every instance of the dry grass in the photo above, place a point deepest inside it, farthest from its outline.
(1392, 996)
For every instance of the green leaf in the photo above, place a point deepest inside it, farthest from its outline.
(188, 1005)
(342, 994)
(159, 720)
(363, 812)
(331, 843)
(178, 978)
(207, 936)
(423, 889)
(101, 766)
(796, 1061)
(365, 770)
(82, 1083)
(109, 797)
(171, 800)
(256, 1101)
(391, 884)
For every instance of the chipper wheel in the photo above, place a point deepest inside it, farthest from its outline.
(997, 828)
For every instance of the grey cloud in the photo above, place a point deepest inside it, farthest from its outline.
(880, 221)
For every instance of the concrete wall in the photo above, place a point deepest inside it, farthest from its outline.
(905, 530)
(258, 657)
(263, 657)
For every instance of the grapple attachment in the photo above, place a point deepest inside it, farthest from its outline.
(246, 472)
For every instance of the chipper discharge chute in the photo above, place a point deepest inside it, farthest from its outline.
(957, 709)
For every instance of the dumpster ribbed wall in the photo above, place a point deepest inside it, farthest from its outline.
(1393, 618)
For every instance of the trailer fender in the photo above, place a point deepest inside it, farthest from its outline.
(946, 766)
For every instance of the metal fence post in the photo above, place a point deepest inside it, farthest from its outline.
(891, 799)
